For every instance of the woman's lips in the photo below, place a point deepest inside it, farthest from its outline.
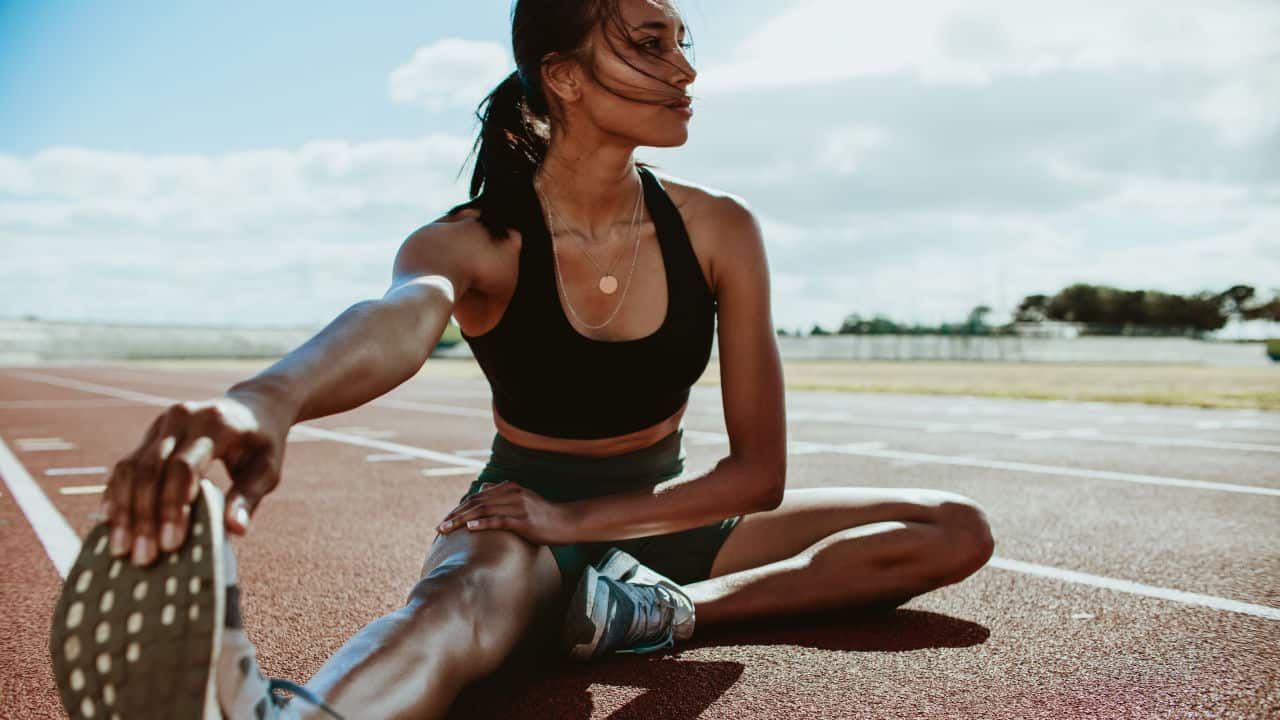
(683, 107)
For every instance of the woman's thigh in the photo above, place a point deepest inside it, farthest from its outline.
(807, 515)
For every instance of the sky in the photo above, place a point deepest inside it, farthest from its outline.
(240, 163)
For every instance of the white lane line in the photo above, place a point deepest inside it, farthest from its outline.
(76, 471)
(1133, 588)
(436, 472)
(1090, 434)
(1059, 470)
(433, 407)
(60, 542)
(44, 447)
(52, 404)
(366, 431)
(81, 489)
(303, 431)
(904, 459)
(387, 457)
(703, 438)
(390, 447)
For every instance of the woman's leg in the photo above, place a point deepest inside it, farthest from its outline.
(826, 548)
(478, 594)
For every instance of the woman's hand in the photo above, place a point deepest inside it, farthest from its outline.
(147, 501)
(509, 506)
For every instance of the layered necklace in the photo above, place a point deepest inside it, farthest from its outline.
(608, 283)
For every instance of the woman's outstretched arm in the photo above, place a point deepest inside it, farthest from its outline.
(375, 345)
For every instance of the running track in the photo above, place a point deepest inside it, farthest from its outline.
(1137, 567)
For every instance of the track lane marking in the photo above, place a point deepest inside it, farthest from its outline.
(1133, 588)
(60, 542)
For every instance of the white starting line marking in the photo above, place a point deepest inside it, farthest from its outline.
(59, 540)
(76, 471)
(43, 444)
(1133, 588)
(81, 489)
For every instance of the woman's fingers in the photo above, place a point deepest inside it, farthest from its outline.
(489, 508)
(147, 479)
(486, 492)
(182, 476)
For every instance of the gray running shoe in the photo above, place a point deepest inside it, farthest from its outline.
(131, 643)
(623, 606)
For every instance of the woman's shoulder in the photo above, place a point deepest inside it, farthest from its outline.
(700, 203)
(456, 244)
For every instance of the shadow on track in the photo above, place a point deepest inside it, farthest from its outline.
(664, 686)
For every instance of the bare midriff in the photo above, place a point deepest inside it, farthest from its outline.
(594, 447)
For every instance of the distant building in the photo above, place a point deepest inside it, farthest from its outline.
(1048, 329)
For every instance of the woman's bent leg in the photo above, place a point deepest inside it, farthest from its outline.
(478, 595)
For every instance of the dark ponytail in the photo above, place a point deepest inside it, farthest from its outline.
(511, 145)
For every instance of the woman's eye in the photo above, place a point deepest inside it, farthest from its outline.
(656, 45)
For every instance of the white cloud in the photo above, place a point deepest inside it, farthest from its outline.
(971, 42)
(71, 188)
(1245, 109)
(842, 150)
(450, 73)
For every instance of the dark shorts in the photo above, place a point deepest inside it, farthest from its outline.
(684, 556)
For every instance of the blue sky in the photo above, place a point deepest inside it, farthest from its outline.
(239, 163)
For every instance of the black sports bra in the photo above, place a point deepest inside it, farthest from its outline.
(549, 379)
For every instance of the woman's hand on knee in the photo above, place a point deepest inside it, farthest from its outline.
(509, 506)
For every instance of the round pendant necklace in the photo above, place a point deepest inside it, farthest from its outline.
(608, 284)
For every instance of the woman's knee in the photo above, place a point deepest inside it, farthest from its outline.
(968, 532)
(486, 589)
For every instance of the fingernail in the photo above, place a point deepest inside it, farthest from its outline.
(473, 523)
(119, 541)
(169, 536)
(447, 524)
(242, 517)
(142, 550)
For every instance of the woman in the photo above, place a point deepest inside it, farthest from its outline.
(588, 289)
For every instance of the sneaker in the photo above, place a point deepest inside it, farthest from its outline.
(146, 643)
(623, 606)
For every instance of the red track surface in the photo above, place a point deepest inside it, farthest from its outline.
(342, 540)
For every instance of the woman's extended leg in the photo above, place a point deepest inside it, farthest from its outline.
(825, 548)
(478, 595)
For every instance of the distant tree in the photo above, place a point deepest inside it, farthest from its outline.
(817, 330)
(1077, 303)
(1033, 308)
(1266, 311)
(976, 325)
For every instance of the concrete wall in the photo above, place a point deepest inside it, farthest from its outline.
(24, 342)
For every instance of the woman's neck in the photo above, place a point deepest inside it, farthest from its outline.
(591, 188)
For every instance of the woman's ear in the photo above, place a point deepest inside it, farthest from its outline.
(561, 77)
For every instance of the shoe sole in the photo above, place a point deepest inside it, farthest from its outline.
(586, 618)
(142, 643)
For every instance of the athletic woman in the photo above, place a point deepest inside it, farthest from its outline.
(589, 288)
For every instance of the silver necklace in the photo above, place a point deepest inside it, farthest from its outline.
(608, 284)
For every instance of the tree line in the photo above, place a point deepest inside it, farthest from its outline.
(1100, 309)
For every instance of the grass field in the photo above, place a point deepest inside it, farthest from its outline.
(1200, 386)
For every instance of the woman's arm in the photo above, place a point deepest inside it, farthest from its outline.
(752, 477)
(375, 345)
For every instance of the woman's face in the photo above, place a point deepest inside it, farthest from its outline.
(649, 69)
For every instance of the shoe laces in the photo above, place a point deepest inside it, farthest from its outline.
(653, 610)
(299, 692)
